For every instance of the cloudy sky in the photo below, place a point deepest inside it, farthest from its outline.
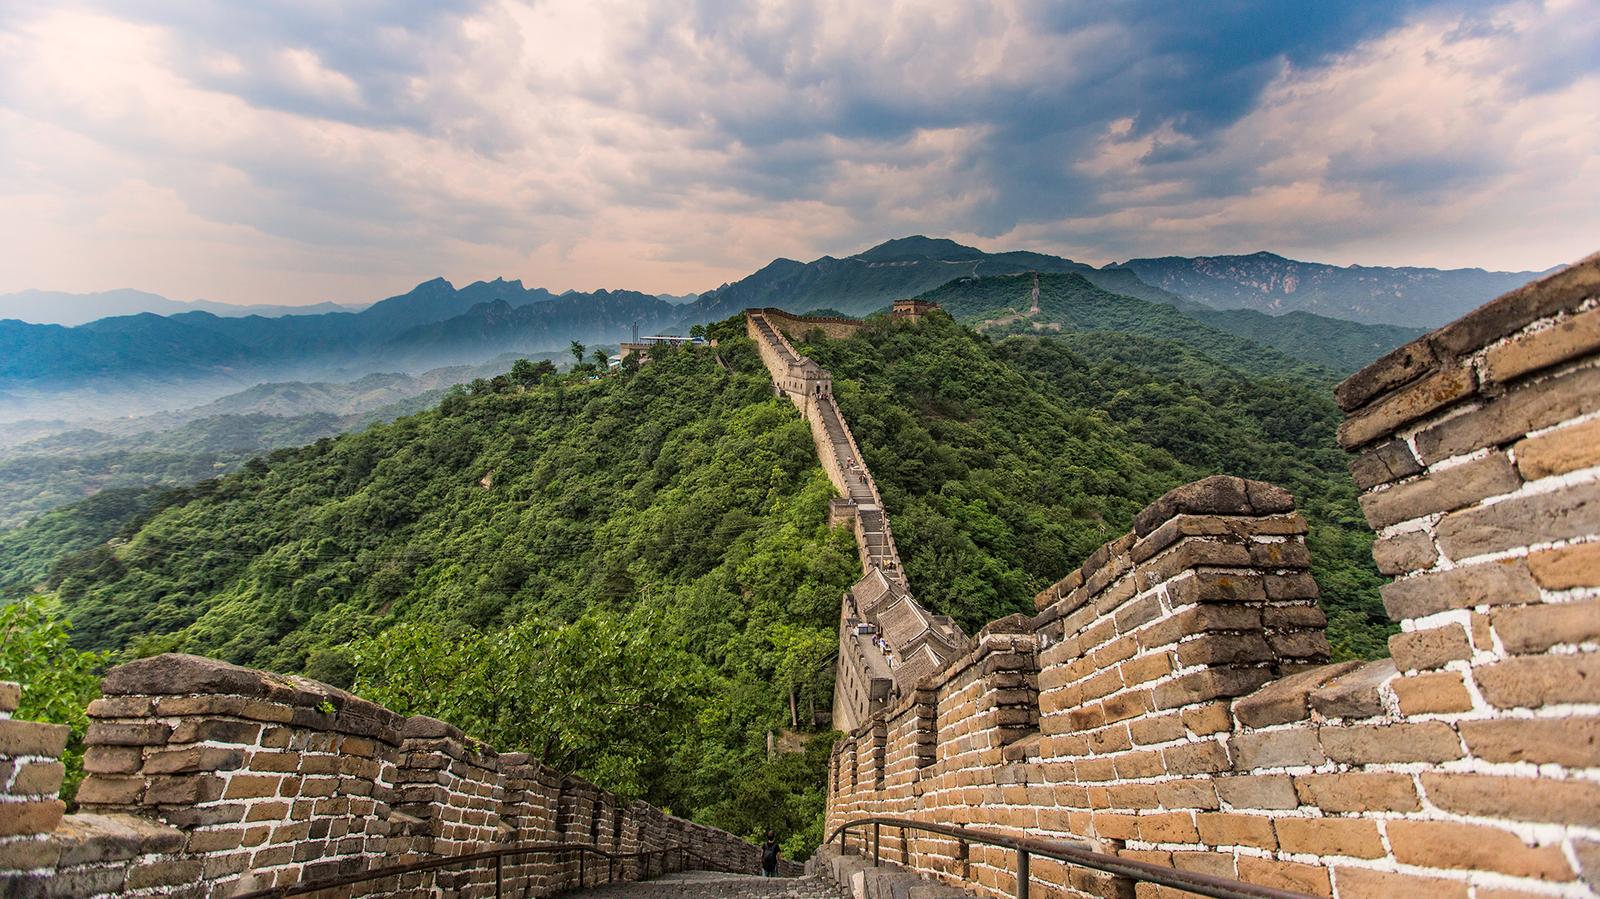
(302, 150)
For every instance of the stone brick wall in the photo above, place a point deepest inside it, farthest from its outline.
(832, 326)
(922, 642)
(1186, 713)
(207, 779)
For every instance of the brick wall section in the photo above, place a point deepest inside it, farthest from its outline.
(922, 642)
(1186, 713)
(832, 326)
(207, 779)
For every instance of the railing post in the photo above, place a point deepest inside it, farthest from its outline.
(1022, 874)
(905, 846)
(499, 875)
(877, 841)
(582, 857)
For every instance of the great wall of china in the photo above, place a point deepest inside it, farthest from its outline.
(1171, 701)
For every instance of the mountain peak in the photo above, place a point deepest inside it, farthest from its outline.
(918, 246)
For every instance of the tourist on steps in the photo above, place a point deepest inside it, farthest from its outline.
(769, 856)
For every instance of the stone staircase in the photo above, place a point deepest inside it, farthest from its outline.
(698, 884)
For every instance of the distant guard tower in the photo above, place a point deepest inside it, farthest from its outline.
(911, 310)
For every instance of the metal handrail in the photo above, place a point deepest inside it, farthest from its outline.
(1075, 853)
(498, 856)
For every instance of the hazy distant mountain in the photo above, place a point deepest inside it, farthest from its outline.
(55, 307)
(678, 299)
(1417, 297)
(898, 268)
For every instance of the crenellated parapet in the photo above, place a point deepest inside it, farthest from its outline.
(207, 779)
(1172, 700)
(887, 640)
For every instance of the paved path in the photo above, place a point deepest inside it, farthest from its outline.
(698, 884)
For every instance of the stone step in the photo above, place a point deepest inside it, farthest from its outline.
(698, 884)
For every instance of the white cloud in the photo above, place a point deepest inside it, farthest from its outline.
(317, 154)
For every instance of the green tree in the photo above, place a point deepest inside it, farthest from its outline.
(697, 330)
(600, 359)
(576, 349)
(58, 681)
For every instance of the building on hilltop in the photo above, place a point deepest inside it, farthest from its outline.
(642, 345)
(911, 310)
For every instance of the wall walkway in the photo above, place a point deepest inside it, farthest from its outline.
(920, 642)
(1172, 700)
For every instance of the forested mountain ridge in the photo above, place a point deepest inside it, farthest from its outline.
(1408, 296)
(658, 536)
(1309, 344)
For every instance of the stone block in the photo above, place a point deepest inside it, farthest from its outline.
(1405, 553)
(1570, 801)
(1447, 844)
(1535, 681)
(1432, 693)
(1569, 338)
(1258, 791)
(1573, 742)
(1382, 463)
(1431, 741)
(1362, 882)
(1512, 415)
(1504, 582)
(10, 696)
(144, 733)
(1536, 628)
(36, 778)
(1358, 791)
(31, 816)
(1385, 415)
(1355, 694)
(1431, 648)
(1347, 837)
(1566, 567)
(1215, 495)
(1283, 748)
(1559, 451)
(1286, 699)
(1522, 520)
(1400, 365)
(32, 738)
(1441, 490)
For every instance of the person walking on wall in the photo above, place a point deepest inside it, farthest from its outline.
(769, 855)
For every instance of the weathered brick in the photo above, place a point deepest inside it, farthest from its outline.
(193, 759)
(1208, 684)
(1363, 882)
(113, 759)
(1434, 692)
(1522, 520)
(1382, 463)
(1286, 699)
(1570, 801)
(1399, 366)
(1286, 748)
(1559, 451)
(1508, 417)
(32, 738)
(1446, 844)
(1431, 648)
(1231, 829)
(1493, 583)
(1536, 628)
(110, 789)
(1429, 741)
(1385, 415)
(1311, 879)
(1352, 837)
(33, 816)
(216, 730)
(1571, 337)
(1405, 553)
(1562, 741)
(1534, 681)
(1441, 490)
(188, 789)
(149, 733)
(1355, 694)
(1265, 791)
(1357, 791)
(1575, 565)
(36, 778)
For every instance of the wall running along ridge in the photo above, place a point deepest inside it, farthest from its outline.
(1172, 701)
(865, 679)
(207, 779)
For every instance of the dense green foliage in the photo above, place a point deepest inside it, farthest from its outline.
(1004, 465)
(29, 552)
(58, 681)
(677, 509)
